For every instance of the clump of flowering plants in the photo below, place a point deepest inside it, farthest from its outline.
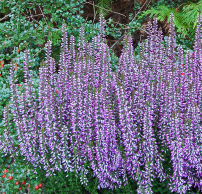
(87, 113)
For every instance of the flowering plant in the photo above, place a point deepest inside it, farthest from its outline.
(88, 114)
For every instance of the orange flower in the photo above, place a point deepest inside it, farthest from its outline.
(19, 85)
(182, 73)
(2, 65)
(18, 50)
(16, 65)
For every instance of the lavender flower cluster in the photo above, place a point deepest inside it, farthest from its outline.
(86, 112)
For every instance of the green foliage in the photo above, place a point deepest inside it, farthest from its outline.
(32, 34)
(130, 188)
(163, 11)
(58, 183)
(102, 6)
(183, 19)
(92, 184)
(4, 96)
(20, 171)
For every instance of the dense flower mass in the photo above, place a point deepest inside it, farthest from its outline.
(87, 113)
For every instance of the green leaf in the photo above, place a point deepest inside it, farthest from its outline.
(137, 174)
(148, 163)
(90, 144)
(75, 150)
(189, 122)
